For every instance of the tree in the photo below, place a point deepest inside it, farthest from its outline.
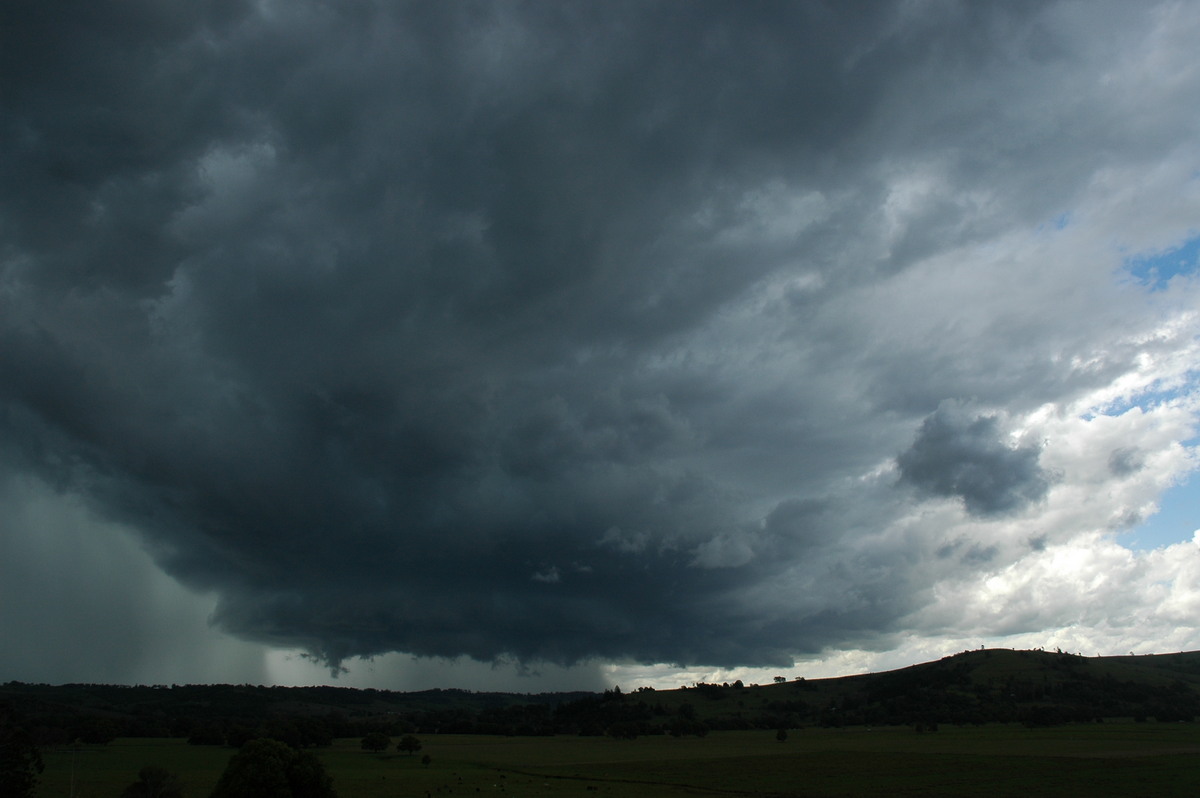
(781, 735)
(780, 679)
(308, 779)
(270, 769)
(681, 726)
(285, 731)
(376, 741)
(20, 760)
(409, 744)
(154, 782)
(238, 735)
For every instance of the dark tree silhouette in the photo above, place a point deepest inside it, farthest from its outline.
(20, 760)
(409, 744)
(154, 782)
(271, 769)
(376, 741)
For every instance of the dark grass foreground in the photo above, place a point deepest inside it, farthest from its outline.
(1110, 759)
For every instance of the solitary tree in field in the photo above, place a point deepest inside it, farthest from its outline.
(271, 769)
(409, 744)
(376, 741)
(154, 782)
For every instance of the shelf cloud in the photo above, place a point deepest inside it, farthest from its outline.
(704, 334)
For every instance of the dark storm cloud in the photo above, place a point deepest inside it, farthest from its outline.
(424, 327)
(957, 454)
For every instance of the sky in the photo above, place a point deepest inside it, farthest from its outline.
(549, 346)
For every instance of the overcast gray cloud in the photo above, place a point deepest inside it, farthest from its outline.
(590, 331)
(956, 455)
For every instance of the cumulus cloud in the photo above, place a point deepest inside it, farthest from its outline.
(697, 333)
(955, 454)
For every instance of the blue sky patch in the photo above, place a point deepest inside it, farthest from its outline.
(1150, 398)
(1177, 518)
(1059, 222)
(1155, 270)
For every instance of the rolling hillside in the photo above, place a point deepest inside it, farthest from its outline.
(973, 687)
(992, 685)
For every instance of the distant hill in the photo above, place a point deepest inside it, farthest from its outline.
(984, 686)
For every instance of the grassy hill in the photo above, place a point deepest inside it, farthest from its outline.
(992, 685)
(974, 687)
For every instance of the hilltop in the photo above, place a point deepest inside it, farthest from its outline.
(973, 687)
(981, 686)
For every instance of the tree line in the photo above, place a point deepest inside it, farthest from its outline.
(1031, 687)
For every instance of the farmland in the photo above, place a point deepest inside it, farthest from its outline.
(999, 686)
(1097, 759)
(980, 723)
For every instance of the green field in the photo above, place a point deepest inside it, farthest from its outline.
(1110, 759)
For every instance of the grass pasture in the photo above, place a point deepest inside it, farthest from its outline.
(1095, 760)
